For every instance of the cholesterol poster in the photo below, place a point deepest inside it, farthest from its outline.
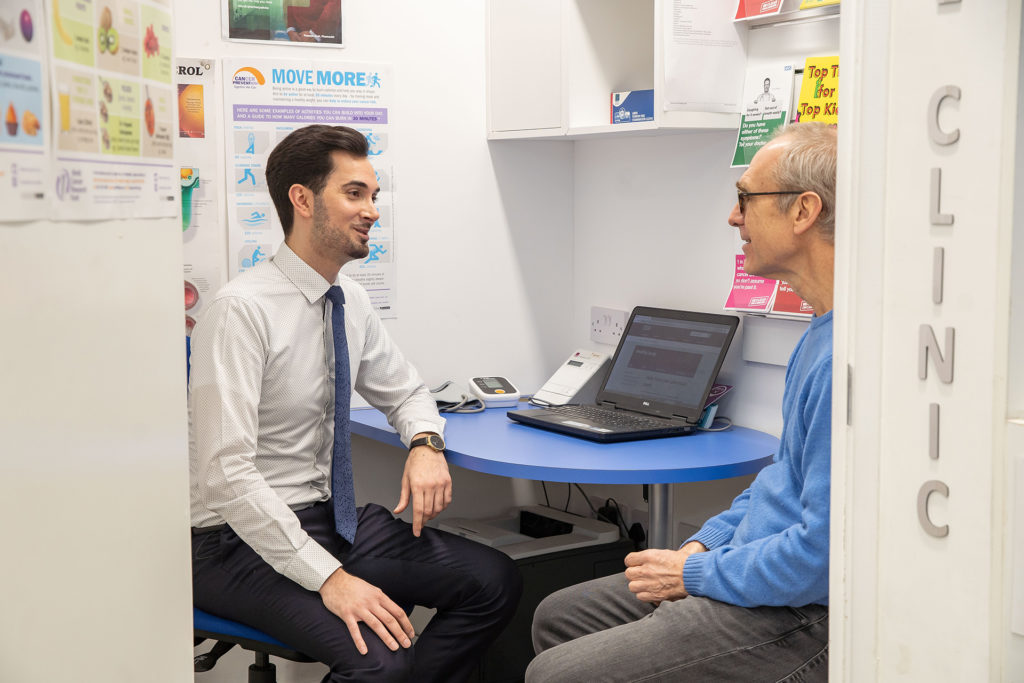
(766, 99)
(25, 137)
(197, 155)
(266, 99)
(305, 22)
(110, 75)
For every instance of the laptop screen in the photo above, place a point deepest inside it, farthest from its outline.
(667, 361)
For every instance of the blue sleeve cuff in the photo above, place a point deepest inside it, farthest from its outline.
(693, 573)
(712, 537)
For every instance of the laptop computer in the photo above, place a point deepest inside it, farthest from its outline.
(664, 366)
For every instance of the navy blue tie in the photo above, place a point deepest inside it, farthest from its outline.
(342, 487)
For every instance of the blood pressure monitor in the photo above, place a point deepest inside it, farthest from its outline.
(495, 392)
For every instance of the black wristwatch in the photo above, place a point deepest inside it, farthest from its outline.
(433, 440)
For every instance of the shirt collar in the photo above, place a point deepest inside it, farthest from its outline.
(312, 285)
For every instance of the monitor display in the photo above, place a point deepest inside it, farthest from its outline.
(667, 360)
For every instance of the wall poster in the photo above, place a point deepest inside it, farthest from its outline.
(264, 100)
(25, 178)
(705, 57)
(767, 95)
(110, 81)
(198, 155)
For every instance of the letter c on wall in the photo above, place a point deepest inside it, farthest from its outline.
(927, 489)
(936, 133)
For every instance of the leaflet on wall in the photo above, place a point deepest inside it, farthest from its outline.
(819, 90)
(749, 292)
(305, 22)
(25, 178)
(752, 9)
(755, 294)
(264, 100)
(110, 76)
(197, 155)
(705, 56)
(788, 302)
(766, 99)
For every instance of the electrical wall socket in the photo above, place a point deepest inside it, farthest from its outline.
(607, 325)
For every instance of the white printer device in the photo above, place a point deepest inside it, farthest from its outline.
(533, 530)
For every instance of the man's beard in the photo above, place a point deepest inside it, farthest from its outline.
(333, 240)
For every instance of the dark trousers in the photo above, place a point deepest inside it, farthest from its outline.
(474, 588)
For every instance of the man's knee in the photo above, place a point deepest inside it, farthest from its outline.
(539, 670)
(379, 664)
(559, 664)
(543, 620)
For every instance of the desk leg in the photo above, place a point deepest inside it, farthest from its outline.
(659, 520)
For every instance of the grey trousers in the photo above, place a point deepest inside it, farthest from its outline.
(599, 631)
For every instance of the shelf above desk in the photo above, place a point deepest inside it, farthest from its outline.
(491, 443)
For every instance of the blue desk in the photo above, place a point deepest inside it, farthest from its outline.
(489, 442)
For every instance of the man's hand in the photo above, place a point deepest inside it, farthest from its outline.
(427, 482)
(354, 600)
(657, 575)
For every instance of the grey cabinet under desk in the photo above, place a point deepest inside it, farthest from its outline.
(508, 657)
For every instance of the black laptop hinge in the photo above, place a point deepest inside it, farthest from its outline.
(608, 404)
(683, 418)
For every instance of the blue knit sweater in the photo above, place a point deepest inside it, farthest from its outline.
(771, 546)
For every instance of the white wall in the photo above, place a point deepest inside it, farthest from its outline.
(95, 581)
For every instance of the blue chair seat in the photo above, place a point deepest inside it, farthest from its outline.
(228, 633)
(209, 626)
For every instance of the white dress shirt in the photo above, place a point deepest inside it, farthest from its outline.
(261, 405)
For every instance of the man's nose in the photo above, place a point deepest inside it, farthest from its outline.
(370, 211)
(735, 217)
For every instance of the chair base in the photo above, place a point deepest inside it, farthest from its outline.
(208, 660)
(262, 671)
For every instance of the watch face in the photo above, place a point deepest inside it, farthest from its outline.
(435, 442)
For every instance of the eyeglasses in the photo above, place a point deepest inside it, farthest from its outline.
(741, 197)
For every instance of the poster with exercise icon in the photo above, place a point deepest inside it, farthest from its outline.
(114, 124)
(267, 98)
(25, 176)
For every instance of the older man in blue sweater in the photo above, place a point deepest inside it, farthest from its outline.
(755, 577)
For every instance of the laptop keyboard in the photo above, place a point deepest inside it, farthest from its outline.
(618, 419)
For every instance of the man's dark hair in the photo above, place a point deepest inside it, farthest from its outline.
(304, 157)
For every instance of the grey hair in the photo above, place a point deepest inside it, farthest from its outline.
(808, 163)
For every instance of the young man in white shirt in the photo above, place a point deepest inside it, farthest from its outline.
(272, 547)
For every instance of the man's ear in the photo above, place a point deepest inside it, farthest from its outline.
(302, 200)
(807, 208)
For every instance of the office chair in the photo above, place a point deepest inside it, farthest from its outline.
(229, 633)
